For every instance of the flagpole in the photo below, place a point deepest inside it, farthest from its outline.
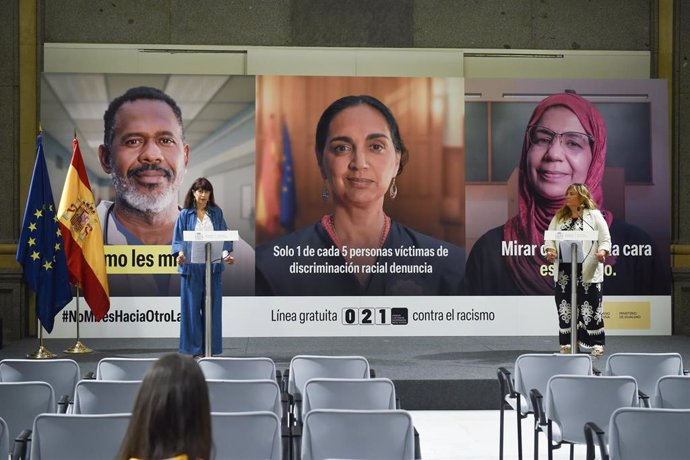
(78, 347)
(42, 352)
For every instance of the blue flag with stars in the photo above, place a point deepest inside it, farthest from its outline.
(40, 249)
(288, 201)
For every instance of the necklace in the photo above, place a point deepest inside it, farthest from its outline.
(328, 222)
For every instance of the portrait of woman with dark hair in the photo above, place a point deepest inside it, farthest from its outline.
(357, 248)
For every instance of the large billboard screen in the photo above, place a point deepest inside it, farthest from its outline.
(366, 205)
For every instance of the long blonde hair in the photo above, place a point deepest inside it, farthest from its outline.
(585, 198)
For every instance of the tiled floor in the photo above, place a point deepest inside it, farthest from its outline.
(465, 435)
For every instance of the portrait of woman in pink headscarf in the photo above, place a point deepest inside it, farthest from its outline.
(576, 153)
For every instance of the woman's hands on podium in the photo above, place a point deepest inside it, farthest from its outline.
(601, 256)
(228, 259)
(550, 254)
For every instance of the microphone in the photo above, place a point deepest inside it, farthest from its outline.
(579, 209)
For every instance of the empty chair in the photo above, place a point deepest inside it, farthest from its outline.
(247, 435)
(306, 367)
(339, 433)
(21, 402)
(61, 374)
(533, 371)
(244, 396)
(261, 395)
(222, 368)
(76, 437)
(647, 368)
(359, 394)
(637, 433)
(672, 392)
(123, 368)
(573, 400)
(105, 396)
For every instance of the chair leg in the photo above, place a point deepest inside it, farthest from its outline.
(519, 430)
(536, 439)
(500, 434)
(550, 441)
(572, 451)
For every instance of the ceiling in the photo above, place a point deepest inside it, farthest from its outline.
(76, 102)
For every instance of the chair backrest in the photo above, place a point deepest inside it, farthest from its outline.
(359, 394)
(647, 368)
(533, 371)
(21, 402)
(123, 368)
(246, 435)
(61, 374)
(306, 367)
(338, 433)
(672, 392)
(4, 439)
(244, 396)
(641, 433)
(77, 437)
(105, 396)
(573, 400)
(222, 368)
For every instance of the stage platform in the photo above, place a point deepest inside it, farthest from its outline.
(430, 373)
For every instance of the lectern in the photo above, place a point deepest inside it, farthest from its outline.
(207, 247)
(571, 241)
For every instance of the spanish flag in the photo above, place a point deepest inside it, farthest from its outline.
(83, 237)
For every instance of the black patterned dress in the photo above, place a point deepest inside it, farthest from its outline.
(590, 320)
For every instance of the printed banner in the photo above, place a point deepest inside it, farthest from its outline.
(368, 206)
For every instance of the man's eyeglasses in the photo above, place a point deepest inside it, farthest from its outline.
(574, 142)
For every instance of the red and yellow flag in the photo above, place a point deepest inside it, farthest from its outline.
(83, 237)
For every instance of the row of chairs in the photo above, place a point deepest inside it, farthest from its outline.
(564, 392)
(236, 435)
(119, 378)
(242, 435)
(359, 391)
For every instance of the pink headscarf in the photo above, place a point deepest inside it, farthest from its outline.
(536, 211)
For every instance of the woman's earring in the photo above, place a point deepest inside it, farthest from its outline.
(324, 192)
(393, 190)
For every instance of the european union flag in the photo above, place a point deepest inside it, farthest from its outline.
(288, 202)
(40, 249)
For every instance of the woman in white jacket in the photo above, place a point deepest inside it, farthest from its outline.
(580, 213)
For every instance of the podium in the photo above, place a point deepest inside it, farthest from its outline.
(575, 255)
(203, 242)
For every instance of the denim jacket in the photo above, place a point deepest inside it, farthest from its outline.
(187, 221)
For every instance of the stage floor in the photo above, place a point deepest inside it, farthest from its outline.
(430, 373)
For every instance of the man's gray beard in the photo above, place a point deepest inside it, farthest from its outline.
(153, 201)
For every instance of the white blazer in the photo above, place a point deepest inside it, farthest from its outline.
(592, 269)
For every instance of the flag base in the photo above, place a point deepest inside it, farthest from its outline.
(78, 348)
(41, 353)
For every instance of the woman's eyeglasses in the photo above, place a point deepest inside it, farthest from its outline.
(543, 138)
